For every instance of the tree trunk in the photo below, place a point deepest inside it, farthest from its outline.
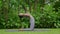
(5, 9)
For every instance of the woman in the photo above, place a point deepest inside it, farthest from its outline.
(31, 20)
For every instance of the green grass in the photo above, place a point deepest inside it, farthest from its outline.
(50, 31)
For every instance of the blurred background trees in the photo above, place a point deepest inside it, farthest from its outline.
(45, 12)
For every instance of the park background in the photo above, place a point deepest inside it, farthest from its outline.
(45, 12)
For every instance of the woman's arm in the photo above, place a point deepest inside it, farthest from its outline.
(26, 14)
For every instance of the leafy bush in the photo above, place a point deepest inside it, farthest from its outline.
(46, 18)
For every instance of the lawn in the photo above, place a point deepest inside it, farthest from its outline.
(40, 31)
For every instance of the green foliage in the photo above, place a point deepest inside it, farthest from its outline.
(46, 18)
